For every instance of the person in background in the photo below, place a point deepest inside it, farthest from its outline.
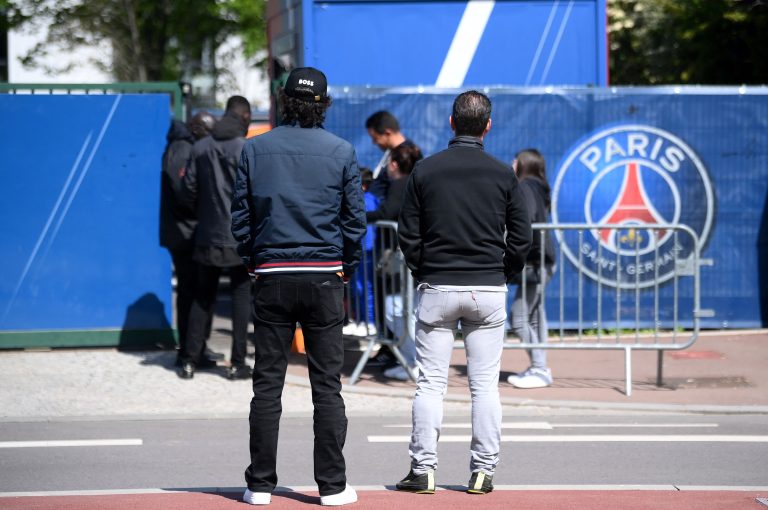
(207, 188)
(529, 320)
(384, 130)
(298, 216)
(177, 223)
(361, 298)
(458, 204)
(402, 160)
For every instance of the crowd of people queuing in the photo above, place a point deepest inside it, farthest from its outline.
(292, 208)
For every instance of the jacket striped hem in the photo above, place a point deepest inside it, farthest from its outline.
(299, 267)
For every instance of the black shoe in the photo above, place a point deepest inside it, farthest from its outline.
(239, 372)
(187, 370)
(480, 483)
(381, 360)
(206, 362)
(420, 484)
(212, 355)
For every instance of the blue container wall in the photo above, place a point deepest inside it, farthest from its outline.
(80, 182)
(507, 42)
(725, 132)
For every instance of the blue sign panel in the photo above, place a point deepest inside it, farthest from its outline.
(692, 156)
(80, 182)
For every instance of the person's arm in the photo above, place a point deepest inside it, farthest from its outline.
(389, 208)
(409, 225)
(519, 236)
(352, 215)
(187, 195)
(241, 210)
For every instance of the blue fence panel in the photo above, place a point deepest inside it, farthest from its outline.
(80, 182)
(695, 156)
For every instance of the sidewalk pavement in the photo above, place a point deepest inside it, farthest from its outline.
(723, 372)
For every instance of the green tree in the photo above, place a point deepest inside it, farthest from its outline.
(150, 39)
(692, 41)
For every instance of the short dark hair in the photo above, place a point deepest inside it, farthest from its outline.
(307, 114)
(471, 112)
(366, 176)
(405, 155)
(381, 121)
(238, 105)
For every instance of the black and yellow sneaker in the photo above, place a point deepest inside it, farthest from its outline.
(480, 483)
(419, 484)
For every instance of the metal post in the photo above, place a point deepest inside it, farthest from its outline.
(660, 368)
(628, 371)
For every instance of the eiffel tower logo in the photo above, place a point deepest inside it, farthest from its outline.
(631, 207)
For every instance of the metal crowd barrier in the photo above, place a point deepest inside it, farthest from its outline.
(384, 275)
(620, 328)
(633, 291)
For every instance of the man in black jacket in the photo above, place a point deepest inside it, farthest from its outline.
(298, 216)
(177, 223)
(207, 189)
(457, 206)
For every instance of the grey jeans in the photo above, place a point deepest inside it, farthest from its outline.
(529, 320)
(481, 315)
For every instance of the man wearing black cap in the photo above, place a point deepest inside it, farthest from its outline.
(298, 216)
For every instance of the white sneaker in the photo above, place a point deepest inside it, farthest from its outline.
(363, 331)
(350, 329)
(512, 379)
(257, 498)
(397, 372)
(532, 378)
(345, 497)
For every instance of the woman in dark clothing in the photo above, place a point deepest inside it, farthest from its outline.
(402, 159)
(529, 321)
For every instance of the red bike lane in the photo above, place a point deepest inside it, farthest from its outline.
(389, 500)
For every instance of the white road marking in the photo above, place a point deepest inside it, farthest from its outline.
(82, 442)
(313, 489)
(464, 44)
(543, 425)
(590, 439)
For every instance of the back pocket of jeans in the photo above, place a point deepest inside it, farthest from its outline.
(431, 306)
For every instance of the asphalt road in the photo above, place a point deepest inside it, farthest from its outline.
(580, 449)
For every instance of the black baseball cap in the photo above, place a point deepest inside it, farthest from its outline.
(306, 83)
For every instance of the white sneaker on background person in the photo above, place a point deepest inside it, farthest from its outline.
(532, 378)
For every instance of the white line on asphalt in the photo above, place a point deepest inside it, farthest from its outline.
(543, 425)
(311, 488)
(83, 442)
(590, 439)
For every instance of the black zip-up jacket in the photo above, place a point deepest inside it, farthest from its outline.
(177, 223)
(456, 208)
(207, 188)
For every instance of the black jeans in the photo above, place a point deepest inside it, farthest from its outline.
(279, 302)
(203, 307)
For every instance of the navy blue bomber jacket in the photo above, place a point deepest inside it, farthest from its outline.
(298, 203)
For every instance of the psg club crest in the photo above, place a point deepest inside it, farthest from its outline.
(631, 175)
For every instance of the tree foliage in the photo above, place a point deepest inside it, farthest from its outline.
(688, 41)
(150, 40)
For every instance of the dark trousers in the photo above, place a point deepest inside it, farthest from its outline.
(279, 302)
(186, 280)
(203, 306)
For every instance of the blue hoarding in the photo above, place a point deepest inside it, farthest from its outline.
(79, 214)
(695, 156)
(443, 43)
